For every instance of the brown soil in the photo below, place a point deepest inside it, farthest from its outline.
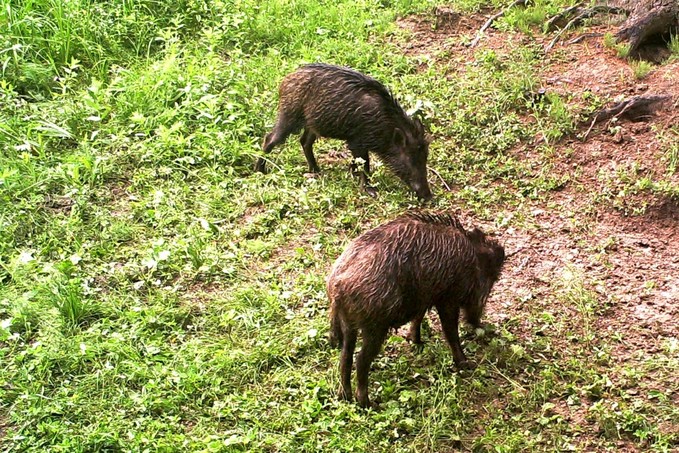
(625, 249)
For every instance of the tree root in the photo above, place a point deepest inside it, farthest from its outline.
(634, 108)
(645, 19)
(649, 18)
(581, 15)
(551, 24)
(582, 37)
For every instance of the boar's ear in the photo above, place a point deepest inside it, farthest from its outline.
(419, 127)
(477, 235)
(399, 138)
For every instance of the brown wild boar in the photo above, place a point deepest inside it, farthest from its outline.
(337, 102)
(395, 273)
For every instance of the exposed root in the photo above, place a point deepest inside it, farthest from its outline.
(583, 37)
(649, 18)
(581, 15)
(645, 20)
(551, 24)
(493, 18)
(634, 108)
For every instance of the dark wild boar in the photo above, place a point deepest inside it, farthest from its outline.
(336, 102)
(395, 273)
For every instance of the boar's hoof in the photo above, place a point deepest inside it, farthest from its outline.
(363, 402)
(467, 365)
(416, 342)
(260, 166)
(344, 395)
(370, 191)
(366, 403)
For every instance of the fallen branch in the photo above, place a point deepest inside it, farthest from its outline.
(492, 19)
(584, 13)
(634, 108)
(551, 23)
(583, 37)
(441, 178)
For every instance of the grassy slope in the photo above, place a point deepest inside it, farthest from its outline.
(158, 294)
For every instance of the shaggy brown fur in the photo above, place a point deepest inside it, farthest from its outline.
(336, 102)
(396, 272)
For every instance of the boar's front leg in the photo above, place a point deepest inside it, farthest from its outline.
(363, 176)
(450, 317)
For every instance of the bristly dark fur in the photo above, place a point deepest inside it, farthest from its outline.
(363, 81)
(367, 83)
(398, 271)
(336, 102)
(439, 218)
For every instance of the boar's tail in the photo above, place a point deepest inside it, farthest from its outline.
(336, 334)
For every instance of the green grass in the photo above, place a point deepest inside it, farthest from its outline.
(673, 45)
(621, 49)
(156, 294)
(641, 69)
(670, 140)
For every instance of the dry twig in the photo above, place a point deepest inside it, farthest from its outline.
(492, 19)
(441, 178)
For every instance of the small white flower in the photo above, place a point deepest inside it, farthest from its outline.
(26, 257)
(25, 146)
(158, 196)
(149, 262)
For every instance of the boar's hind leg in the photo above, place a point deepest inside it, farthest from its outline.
(358, 152)
(414, 334)
(450, 316)
(372, 343)
(346, 360)
(307, 140)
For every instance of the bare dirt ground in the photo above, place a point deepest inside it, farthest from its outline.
(626, 250)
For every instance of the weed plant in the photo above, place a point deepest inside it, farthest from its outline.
(158, 295)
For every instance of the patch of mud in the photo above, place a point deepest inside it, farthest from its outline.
(629, 262)
(639, 270)
(446, 30)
